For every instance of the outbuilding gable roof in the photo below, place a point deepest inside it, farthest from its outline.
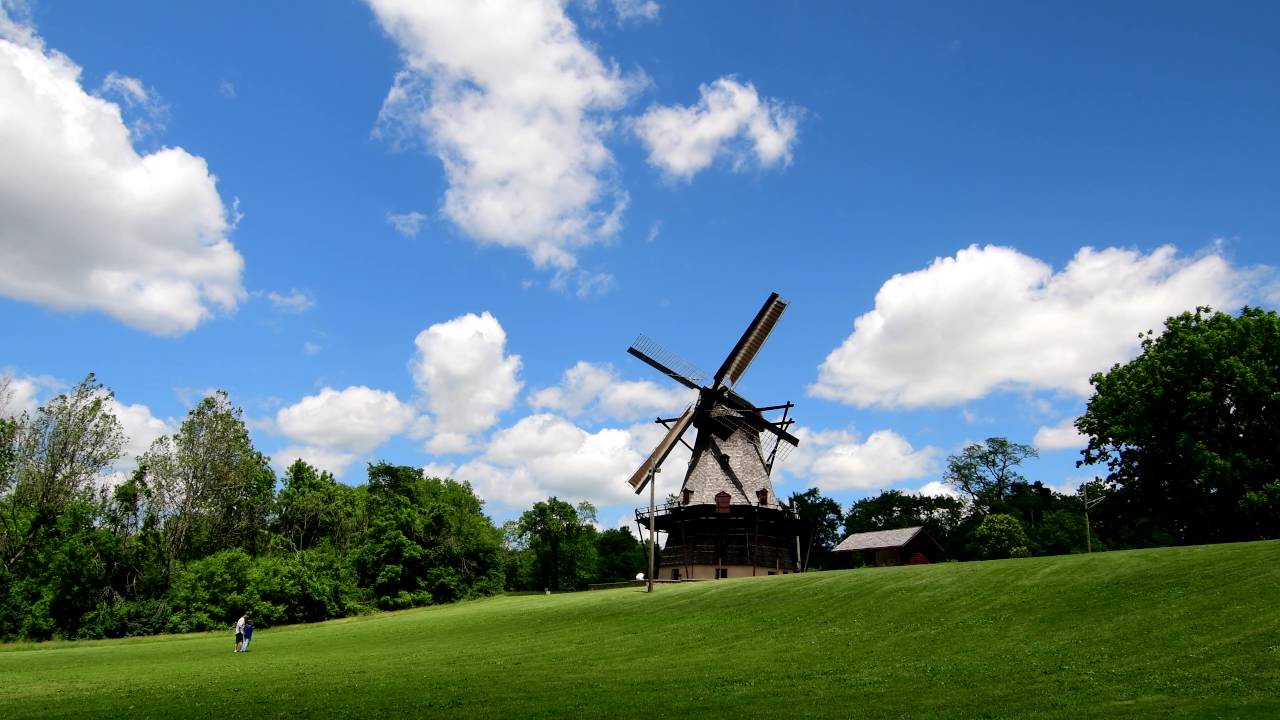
(878, 540)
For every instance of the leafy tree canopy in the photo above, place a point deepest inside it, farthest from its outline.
(50, 460)
(1000, 536)
(820, 519)
(563, 540)
(987, 471)
(893, 509)
(1189, 431)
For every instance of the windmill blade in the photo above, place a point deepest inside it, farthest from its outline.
(640, 478)
(751, 341)
(670, 364)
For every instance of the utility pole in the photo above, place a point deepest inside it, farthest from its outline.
(1088, 505)
(653, 480)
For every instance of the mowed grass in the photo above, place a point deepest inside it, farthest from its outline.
(1181, 632)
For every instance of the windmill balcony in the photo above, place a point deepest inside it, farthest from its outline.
(664, 513)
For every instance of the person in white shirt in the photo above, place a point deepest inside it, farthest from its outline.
(239, 633)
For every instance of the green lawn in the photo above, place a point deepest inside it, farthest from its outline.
(1186, 632)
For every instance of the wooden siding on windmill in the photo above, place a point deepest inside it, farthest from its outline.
(904, 546)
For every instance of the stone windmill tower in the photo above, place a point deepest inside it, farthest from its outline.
(726, 520)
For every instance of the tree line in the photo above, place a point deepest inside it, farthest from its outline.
(995, 512)
(1184, 441)
(203, 529)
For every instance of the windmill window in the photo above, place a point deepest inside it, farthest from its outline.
(688, 496)
(763, 496)
(722, 573)
(722, 502)
(675, 573)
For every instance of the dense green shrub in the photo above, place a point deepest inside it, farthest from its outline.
(301, 587)
(1000, 536)
(210, 593)
(126, 618)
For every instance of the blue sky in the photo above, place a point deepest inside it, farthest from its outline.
(427, 233)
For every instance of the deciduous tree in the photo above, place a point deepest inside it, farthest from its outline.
(986, 471)
(210, 487)
(893, 509)
(820, 519)
(1189, 431)
(1000, 536)
(51, 459)
(562, 538)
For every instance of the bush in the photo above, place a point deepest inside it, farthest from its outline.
(308, 586)
(126, 618)
(1060, 532)
(1000, 536)
(210, 593)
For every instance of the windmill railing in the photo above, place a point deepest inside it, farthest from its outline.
(671, 507)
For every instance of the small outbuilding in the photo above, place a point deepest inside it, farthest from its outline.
(905, 546)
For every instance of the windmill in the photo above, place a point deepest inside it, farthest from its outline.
(726, 520)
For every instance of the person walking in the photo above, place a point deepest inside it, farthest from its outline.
(248, 635)
(239, 633)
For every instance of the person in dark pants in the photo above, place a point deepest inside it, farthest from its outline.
(239, 633)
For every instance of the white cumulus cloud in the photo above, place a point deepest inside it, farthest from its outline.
(334, 428)
(1062, 436)
(730, 120)
(331, 459)
(20, 395)
(88, 223)
(438, 470)
(129, 87)
(840, 460)
(140, 428)
(518, 120)
(992, 318)
(356, 418)
(937, 488)
(596, 391)
(466, 376)
(148, 113)
(545, 454)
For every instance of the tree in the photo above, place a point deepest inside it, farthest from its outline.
(210, 487)
(50, 460)
(562, 539)
(620, 555)
(893, 509)
(314, 508)
(1189, 431)
(820, 518)
(1054, 522)
(1000, 536)
(196, 535)
(427, 541)
(986, 471)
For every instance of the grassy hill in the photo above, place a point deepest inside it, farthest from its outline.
(1182, 632)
